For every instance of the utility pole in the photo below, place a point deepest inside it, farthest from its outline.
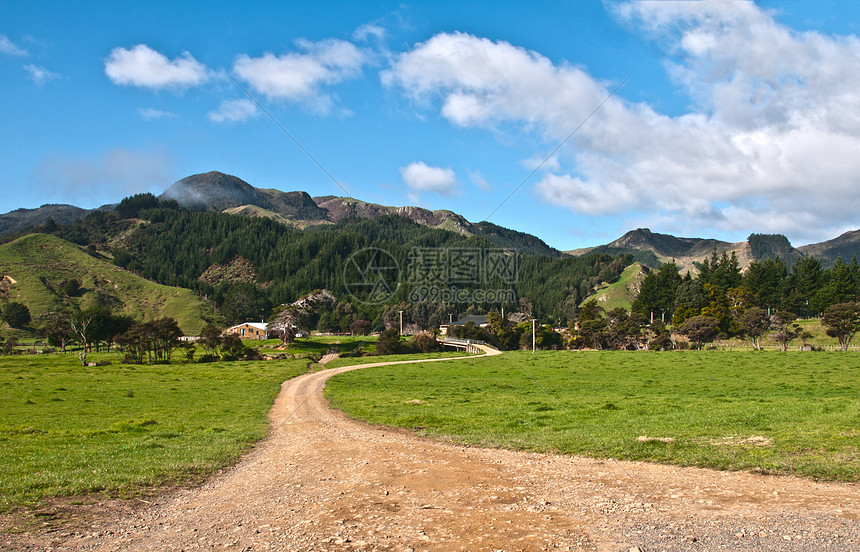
(533, 335)
(401, 322)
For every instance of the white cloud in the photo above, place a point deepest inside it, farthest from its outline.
(110, 177)
(10, 48)
(150, 113)
(39, 74)
(483, 83)
(478, 180)
(769, 145)
(547, 164)
(144, 67)
(301, 76)
(234, 111)
(369, 30)
(420, 177)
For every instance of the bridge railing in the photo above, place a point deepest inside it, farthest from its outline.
(463, 341)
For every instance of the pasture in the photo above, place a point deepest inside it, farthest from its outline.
(68, 430)
(771, 412)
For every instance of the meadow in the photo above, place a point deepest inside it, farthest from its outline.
(67, 430)
(770, 412)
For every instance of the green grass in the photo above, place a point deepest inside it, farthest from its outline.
(622, 292)
(318, 344)
(41, 263)
(802, 410)
(68, 430)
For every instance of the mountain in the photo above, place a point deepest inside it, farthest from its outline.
(218, 192)
(342, 208)
(686, 252)
(40, 265)
(23, 219)
(847, 245)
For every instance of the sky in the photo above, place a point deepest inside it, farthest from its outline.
(575, 121)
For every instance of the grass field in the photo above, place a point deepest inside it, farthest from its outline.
(772, 412)
(343, 344)
(67, 430)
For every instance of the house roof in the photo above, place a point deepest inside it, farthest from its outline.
(259, 325)
(478, 319)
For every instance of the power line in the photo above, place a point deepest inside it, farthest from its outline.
(558, 147)
(293, 138)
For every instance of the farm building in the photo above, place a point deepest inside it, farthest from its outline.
(249, 330)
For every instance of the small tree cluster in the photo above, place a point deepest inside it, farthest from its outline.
(842, 321)
(150, 341)
(217, 346)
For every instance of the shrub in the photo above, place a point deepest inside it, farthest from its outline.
(16, 314)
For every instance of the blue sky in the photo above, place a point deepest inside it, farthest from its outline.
(736, 117)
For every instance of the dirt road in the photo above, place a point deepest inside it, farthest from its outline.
(324, 482)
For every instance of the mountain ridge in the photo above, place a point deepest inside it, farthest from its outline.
(214, 191)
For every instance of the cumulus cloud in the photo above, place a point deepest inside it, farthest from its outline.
(420, 177)
(144, 67)
(234, 111)
(10, 48)
(39, 74)
(110, 177)
(769, 145)
(301, 76)
(483, 83)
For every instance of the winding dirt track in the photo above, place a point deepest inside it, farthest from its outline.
(324, 482)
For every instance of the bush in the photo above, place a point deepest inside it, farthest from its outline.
(389, 342)
(16, 315)
(662, 342)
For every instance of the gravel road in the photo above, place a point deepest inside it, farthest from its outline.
(324, 482)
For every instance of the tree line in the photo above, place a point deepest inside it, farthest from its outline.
(722, 291)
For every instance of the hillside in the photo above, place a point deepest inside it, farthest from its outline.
(41, 264)
(847, 245)
(218, 192)
(623, 291)
(22, 219)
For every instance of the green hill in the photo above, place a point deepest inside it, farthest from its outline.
(41, 265)
(623, 291)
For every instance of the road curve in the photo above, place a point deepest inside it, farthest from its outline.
(321, 481)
